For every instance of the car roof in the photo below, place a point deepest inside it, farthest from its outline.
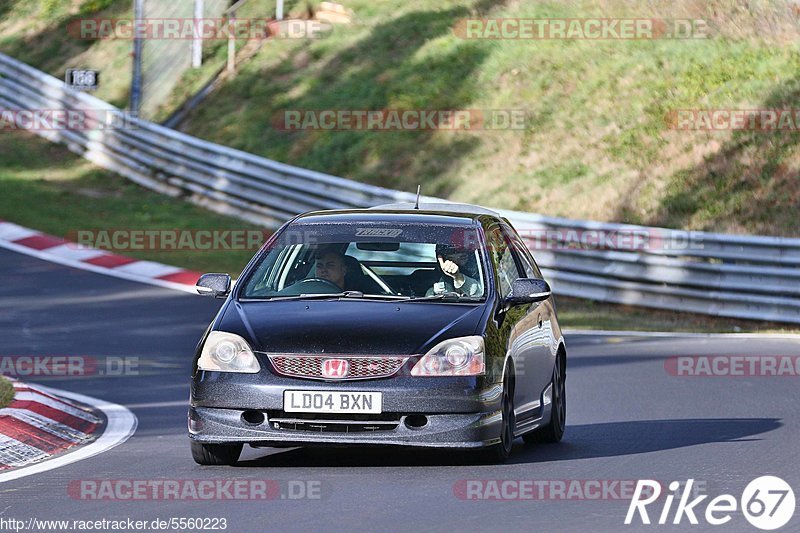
(430, 213)
(438, 207)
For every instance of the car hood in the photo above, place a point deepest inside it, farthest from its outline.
(349, 327)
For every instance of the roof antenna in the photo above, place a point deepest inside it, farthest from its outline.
(416, 205)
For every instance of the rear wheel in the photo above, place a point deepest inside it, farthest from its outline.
(215, 454)
(500, 452)
(554, 431)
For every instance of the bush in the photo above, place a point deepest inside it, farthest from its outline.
(93, 6)
(6, 392)
(49, 8)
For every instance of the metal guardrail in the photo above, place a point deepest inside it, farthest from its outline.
(716, 274)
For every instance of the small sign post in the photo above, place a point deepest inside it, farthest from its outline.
(82, 79)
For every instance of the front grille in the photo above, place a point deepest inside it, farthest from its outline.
(333, 423)
(360, 367)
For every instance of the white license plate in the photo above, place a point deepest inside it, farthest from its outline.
(298, 401)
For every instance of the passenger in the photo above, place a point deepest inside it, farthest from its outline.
(452, 261)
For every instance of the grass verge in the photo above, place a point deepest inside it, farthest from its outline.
(6, 392)
(577, 313)
(46, 187)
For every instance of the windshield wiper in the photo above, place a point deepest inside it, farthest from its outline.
(322, 296)
(345, 294)
(449, 295)
(380, 296)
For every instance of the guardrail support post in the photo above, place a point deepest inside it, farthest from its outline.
(197, 45)
(136, 81)
(232, 43)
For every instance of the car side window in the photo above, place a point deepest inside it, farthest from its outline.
(523, 255)
(503, 260)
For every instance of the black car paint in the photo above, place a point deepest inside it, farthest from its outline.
(343, 326)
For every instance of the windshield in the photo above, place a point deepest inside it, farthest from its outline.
(372, 261)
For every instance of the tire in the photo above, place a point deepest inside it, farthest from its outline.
(554, 430)
(500, 452)
(216, 454)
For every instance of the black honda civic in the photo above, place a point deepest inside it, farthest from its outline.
(427, 325)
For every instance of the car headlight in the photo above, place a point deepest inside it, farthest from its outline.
(226, 352)
(463, 356)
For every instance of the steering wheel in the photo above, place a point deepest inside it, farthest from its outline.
(327, 282)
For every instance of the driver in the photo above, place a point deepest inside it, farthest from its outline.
(452, 261)
(330, 266)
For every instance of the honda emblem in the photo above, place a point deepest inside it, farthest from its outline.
(335, 368)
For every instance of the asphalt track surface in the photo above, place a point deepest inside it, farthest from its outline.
(628, 419)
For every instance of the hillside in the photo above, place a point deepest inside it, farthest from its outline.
(46, 35)
(597, 142)
(36, 32)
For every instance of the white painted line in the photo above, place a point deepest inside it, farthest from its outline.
(72, 251)
(158, 405)
(675, 334)
(13, 232)
(20, 388)
(114, 272)
(148, 269)
(121, 426)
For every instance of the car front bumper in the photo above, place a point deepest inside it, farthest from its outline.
(460, 412)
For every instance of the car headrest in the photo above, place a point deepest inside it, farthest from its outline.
(353, 266)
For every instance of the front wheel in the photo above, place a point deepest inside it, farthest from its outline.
(216, 454)
(500, 452)
(554, 431)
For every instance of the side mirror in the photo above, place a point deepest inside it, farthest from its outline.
(528, 291)
(216, 285)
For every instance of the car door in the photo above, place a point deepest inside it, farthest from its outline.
(548, 308)
(515, 324)
(532, 337)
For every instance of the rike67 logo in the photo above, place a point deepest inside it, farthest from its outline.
(767, 502)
